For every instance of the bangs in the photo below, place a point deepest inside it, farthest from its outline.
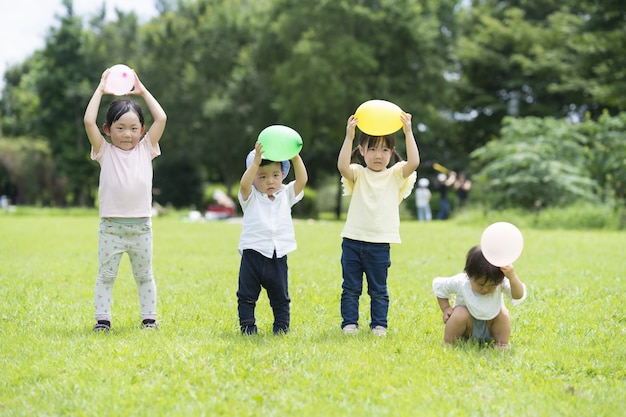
(376, 141)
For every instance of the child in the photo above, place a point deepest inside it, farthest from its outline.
(422, 200)
(125, 195)
(267, 236)
(479, 312)
(373, 220)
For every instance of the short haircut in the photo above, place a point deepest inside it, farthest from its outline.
(478, 268)
(120, 107)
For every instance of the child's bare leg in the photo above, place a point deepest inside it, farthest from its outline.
(501, 329)
(459, 324)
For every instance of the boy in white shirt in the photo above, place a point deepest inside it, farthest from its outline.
(479, 312)
(267, 236)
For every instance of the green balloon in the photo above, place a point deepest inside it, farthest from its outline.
(280, 143)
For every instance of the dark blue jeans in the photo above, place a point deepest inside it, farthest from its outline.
(257, 271)
(373, 260)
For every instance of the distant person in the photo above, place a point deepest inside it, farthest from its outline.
(267, 236)
(443, 182)
(479, 313)
(125, 196)
(373, 220)
(422, 200)
(462, 186)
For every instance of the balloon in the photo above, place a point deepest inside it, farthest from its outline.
(280, 143)
(120, 80)
(501, 243)
(378, 117)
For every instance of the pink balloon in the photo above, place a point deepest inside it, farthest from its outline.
(120, 80)
(501, 243)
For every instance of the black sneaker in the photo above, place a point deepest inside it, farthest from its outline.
(249, 330)
(149, 324)
(102, 326)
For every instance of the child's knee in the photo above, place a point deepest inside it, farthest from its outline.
(503, 316)
(144, 279)
(105, 279)
(460, 313)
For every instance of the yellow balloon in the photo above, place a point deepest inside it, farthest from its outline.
(378, 117)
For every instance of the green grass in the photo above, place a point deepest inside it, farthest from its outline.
(567, 353)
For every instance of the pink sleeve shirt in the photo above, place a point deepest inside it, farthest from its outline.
(125, 188)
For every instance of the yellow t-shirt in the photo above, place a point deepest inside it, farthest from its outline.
(374, 215)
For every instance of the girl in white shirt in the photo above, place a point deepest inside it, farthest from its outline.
(125, 195)
(373, 220)
(479, 312)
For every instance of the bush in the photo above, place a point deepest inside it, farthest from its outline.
(575, 217)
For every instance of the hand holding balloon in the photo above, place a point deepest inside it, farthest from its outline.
(351, 126)
(406, 122)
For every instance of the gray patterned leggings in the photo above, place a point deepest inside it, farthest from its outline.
(116, 237)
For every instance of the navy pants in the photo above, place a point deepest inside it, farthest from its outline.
(256, 272)
(373, 260)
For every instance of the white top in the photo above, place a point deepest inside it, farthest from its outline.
(125, 188)
(267, 224)
(374, 215)
(482, 307)
(422, 196)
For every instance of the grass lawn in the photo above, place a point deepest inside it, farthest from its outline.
(567, 356)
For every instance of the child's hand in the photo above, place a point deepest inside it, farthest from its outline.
(508, 270)
(350, 126)
(446, 314)
(258, 153)
(138, 88)
(406, 122)
(103, 82)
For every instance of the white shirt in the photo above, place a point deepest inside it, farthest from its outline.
(267, 224)
(125, 188)
(422, 197)
(482, 307)
(374, 214)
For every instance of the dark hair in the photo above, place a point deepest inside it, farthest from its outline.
(478, 268)
(364, 142)
(120, 107)
(269, 162)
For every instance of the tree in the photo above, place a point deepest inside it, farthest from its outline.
(605, 153)
(29, 166)
(535, 161)
(538, 58)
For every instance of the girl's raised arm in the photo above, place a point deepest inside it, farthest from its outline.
(91, 115)
(345, 154)
(158, 114)
(412, 153)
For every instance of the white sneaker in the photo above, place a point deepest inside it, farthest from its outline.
(379, 331)
(350, 329)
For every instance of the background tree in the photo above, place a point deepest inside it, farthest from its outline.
(535, 162)
(605, 152)
(225, 69)
(29, 171)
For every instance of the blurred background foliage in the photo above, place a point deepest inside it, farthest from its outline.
(527, 97)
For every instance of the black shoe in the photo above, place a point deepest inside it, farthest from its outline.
(149, 324)
(249, 330)
(281, 330)
(102, 326)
